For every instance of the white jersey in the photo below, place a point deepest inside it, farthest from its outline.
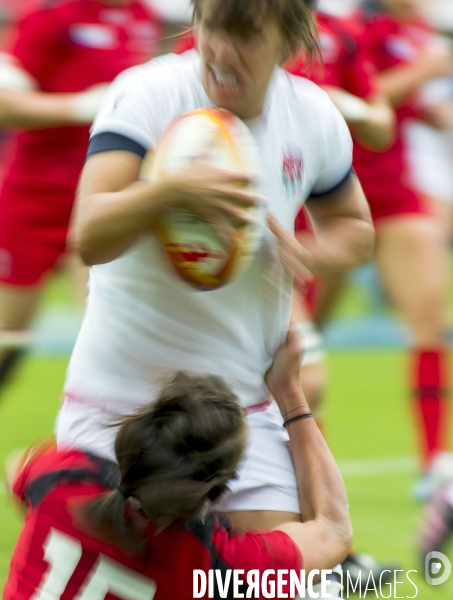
(142, 321)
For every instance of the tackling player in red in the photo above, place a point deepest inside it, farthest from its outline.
(411, 253)
(134, 530)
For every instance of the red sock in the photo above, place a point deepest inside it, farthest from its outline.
(431, 399)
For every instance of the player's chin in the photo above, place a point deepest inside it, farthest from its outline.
(233, 104)
(231, 99)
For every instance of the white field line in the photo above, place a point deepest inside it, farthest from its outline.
(378, 466)
(358, 468)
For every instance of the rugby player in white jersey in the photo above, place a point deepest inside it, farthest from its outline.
(141, 320)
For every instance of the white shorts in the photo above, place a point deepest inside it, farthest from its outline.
(430, 159)
(267, 480)
(266, 475)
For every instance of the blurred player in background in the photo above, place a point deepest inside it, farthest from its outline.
(175, 458)
(53, 74)
(141, 320)
(429, 138)
(350, 80)
(411, 252)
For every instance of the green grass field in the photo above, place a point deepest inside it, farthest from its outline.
(367, 419)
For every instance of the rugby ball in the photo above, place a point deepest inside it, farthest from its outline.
(198, 252)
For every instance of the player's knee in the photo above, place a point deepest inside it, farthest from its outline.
(430, 327)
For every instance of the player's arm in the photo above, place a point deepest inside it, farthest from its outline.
(344, 232)
(114, 208)
(33, 109)
(38, 40)
(23, 105)
(371, 120)
(400, 82)
(325, 536)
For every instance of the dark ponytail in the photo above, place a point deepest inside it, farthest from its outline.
(174, 455)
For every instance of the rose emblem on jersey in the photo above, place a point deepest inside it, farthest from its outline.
(292, 170)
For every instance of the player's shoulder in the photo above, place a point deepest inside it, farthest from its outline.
(296, 92)
(162, 70)
(45, 466)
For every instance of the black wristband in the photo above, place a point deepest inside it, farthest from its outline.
(304, 416)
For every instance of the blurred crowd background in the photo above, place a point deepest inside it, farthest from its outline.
(366, 412)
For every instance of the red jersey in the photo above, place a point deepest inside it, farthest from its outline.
(389, 42)
(54, 554)
(345, 65)
(67, 46)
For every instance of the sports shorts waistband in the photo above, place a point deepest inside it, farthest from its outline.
(258, 407)
(80, 399)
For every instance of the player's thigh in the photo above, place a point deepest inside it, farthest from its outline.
(32, 239)
(411, 255)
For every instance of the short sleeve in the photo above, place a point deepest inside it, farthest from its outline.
(144, 100)
(37, 41)
(129, 111)
(35, 461)
(336, 152)
(274, 550)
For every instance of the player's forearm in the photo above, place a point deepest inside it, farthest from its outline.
(321, 488)
(34, 110)
(107, 224)
(39, 110)
(376, 130)
(372, 120)
(401, 82)
(341, 243)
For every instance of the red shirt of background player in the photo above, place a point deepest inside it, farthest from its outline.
(67, 46)
(389, 42)
(344, 66)
(50, 543)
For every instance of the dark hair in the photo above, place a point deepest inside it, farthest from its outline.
(173, 455)
(244, 17)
